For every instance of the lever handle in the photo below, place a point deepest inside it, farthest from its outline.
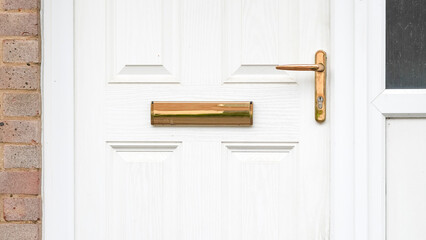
(320, 69)
(302, 67)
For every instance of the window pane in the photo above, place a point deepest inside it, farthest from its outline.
(406, 44)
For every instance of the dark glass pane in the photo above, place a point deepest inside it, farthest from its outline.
(406, 44)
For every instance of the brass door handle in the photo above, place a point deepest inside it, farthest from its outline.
(320, 68)
(302, 67)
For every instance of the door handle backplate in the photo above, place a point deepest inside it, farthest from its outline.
(320, 68)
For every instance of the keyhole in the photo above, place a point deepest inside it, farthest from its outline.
(320, 101)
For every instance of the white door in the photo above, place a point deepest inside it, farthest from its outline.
(136, 181)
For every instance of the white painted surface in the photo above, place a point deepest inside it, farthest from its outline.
(402, 102)
(58, 119)
(257, 36)
(348, 208)
(406, 179)
(374, 121)
(382, 104)
(360, 131)
(260, 186)
(142, 192)
(58, 191)
(143, 41)
(341, 120)
(137, 181)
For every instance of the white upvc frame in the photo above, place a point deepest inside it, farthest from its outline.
(57, 17)
(356, 78)
(382, 104)
(401, 103)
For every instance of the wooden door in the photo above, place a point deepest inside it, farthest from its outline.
(136, 181)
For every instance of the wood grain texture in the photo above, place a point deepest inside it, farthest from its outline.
(141, 192)
(268, 181)
(142, 41)
(276, 110)
(260, 190)
(258, 35)
(260, 32)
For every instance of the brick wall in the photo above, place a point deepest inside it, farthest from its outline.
(20, 127)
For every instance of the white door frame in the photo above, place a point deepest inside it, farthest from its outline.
(382, 103)
(58, 119)
(356, 78)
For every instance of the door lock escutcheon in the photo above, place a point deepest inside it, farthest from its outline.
(320, 68)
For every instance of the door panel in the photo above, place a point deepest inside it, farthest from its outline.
(141, 189)
(405, 178)
(138, 181)
(143, 38)
(259, 190)
(258, 35)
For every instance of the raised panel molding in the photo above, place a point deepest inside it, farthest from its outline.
(256, 42)
(142, 41)
(146, 50)
(259, 186)
(141, 190)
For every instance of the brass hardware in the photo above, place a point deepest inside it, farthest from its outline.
(301, 67)
(320, 68)
(202, 113)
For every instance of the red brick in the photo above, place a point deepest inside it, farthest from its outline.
(18, 24)
(22, 156)
(20, 4)
(21, 104)
(20, 232)
(21, 51)
(16, 131)
(20, 182)
(19, 77)
(22, 209)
